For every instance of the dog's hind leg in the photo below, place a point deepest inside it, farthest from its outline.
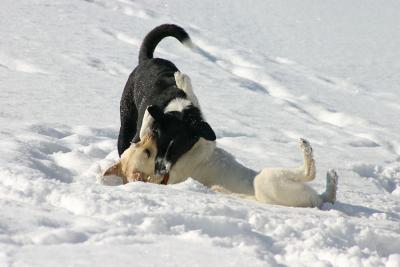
(307, 171)
(331, 187)
(272, 186)
(184, 83)
(308, 168)
(285, 186)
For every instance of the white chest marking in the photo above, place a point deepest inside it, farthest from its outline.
(177, 104)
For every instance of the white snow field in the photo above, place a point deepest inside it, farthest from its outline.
(266, 73)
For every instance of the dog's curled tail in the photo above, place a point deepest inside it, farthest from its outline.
(157, 34)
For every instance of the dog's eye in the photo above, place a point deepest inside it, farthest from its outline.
(147, 152)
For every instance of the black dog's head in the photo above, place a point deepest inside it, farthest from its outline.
(176, 133)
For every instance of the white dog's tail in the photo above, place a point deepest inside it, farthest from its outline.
(157, 34)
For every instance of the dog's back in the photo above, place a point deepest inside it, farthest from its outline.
(152, 82)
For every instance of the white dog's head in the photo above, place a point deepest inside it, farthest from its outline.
(137, 162)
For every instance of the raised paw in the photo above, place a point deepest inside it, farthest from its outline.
(306, 147)
(183, 81)
(179, 79)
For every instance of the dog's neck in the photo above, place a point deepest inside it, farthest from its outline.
(180, 107)
(211, 165)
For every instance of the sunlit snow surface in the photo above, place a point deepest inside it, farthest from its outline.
(265, 72)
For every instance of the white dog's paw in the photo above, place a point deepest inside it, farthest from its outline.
(332, 179)
(309, 163)
(306, 147)
(178, 76)
(179, 79)
(182, 81)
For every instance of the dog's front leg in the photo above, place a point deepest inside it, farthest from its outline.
(126, 134)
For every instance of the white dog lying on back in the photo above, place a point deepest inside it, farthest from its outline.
(213, 166)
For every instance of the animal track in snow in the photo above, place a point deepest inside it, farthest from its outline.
(310, 108)
(387, 178)
(27, 67)
(50, 131)
(140, 13)
(122, 37)
(128, 8)
(3, 66)
(10, 63)
(363, 143)
(127, 39)
(111, 68)
(252, 77)
(63, 153)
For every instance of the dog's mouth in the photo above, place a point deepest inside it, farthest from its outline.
(154, 179)
(137, 177)
(165, 179)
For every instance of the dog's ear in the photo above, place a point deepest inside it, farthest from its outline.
(203, 129)
(113, 170)
(156, 112)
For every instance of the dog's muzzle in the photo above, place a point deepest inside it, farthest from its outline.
(162, 167)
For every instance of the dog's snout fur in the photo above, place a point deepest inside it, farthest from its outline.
(137, 162)
(162, 167)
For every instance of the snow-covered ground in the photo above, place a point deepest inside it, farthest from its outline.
(266, 73)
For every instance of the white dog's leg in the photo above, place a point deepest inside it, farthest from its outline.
(183, 82)
(306, 172)
(303, 173)
(285, 186)
(331, 187)
(273, 186)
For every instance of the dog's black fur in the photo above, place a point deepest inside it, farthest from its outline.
(152, 86)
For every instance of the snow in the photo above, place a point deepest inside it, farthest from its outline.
(265, 73)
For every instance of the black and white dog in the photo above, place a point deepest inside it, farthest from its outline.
(151, 101)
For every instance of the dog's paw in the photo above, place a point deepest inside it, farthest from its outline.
(306, 147)
(332, 179)
(179, 79)
(182, 81)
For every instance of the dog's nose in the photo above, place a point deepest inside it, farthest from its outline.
(161, 168)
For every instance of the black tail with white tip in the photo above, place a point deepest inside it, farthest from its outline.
(157, 34)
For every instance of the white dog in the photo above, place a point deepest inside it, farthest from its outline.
(214, 167)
